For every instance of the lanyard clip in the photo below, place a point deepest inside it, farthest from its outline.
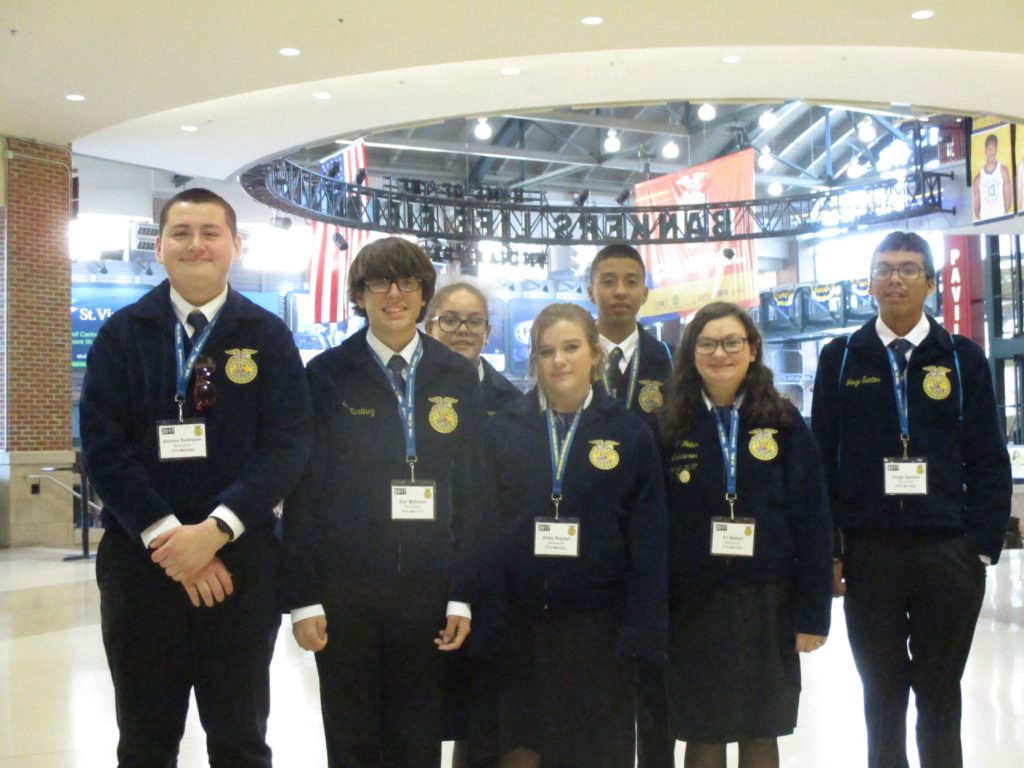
(412, 468)
(905, 439)
(557, 499)
(731, 499)
(180, 401)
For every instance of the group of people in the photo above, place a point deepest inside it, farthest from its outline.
(634, 552)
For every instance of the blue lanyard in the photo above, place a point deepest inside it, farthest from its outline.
(728, 445)
(406, 405)
(183, 365)
(899, 386)
(559, 453)
(634, 374)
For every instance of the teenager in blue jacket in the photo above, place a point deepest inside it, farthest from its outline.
(750, 545)
(579, 538)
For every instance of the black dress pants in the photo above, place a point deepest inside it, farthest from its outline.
(912, 602)
(159, 647)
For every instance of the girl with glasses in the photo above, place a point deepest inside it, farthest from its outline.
(750, 543)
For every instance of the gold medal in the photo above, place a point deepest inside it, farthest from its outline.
(650, 397)
(603, 455)
(684, 476)
(443, 417)
(936, 382)
(241, 368)
(762, 444)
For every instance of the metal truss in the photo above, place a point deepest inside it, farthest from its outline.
(290, 187)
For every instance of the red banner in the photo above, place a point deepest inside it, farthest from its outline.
(686, 277)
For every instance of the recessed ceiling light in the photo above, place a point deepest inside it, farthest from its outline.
(289, 51)
(922, 15)
(75, 97)
(189, 128)
(321, 96)
(731, 59)
(592, 21)
(510, 70)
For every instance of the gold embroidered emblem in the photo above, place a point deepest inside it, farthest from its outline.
(763, 445)
(684, 476)
(603, 455)
(443, 417)
(650, 397)
(936, 382)
(240, 367)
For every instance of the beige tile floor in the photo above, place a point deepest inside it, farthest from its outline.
(56, 702)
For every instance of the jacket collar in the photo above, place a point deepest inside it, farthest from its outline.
(867, 336)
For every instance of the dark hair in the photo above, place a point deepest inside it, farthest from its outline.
(762, 403)
(442, 294)
(991, 139)
(572, 313)
(910, 242)
(617, 251)
(200, 195)
(390, 258)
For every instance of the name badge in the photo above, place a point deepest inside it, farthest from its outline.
(906, 477)
(181, 439)
(556, 537)
(734, 538)
(412, 500)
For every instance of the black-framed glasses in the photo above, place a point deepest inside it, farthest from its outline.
(205, 390)
(383, 284)
(905, 271)
(730, 344)
(450, 323)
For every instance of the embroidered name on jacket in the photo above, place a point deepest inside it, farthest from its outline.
(863, 380)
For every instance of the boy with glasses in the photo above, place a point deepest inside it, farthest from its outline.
(380, 535)
(919, 479)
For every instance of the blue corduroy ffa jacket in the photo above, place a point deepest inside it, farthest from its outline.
(955, 427)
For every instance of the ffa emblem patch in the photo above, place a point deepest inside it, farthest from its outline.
(684, 476)
(443, 417)
(241, 368)
(763, 445)
(572, 530)
(198, 430)
(603, 455)
(650, 398)
(936, 382)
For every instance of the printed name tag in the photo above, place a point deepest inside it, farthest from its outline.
(732, 537)
(412, 501)
(906, 477)
(181, 439)
(556, 538)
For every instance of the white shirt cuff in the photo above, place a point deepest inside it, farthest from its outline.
(229, 517)
(985, 559)
(307, 612)
(459, 609)
(162, 525)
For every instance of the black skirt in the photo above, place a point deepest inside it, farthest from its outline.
(733, 669)
(562, 693)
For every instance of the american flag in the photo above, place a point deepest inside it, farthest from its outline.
(328, 268)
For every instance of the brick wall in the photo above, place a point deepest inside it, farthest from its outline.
(36, 337)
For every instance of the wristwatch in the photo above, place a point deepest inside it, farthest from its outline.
(224, 528)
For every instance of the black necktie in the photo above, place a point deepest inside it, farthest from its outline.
(198, 321)
(397, 367)
(616, 378)
(900, 348)
(725, 415)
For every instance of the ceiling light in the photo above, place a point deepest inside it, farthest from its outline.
(623, 197)
(765, 161)
(866, 130)
(775, 189)
(75, 97)
(581, 197)
(855, 170)
(510, 70)
(340, 141)
(922, 15)
(706, 112)
(482, 129)
(731, 59)
(321, 96)
(189, 128)
(592, 21)
(611, 141)
(767, 120)
(289, 51)
(670, 150)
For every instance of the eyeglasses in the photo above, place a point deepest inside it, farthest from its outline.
(475, 324)
(205, 390)
(905, 271)
(383, 284)
(730, 345)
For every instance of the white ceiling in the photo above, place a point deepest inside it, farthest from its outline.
(147, 68)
